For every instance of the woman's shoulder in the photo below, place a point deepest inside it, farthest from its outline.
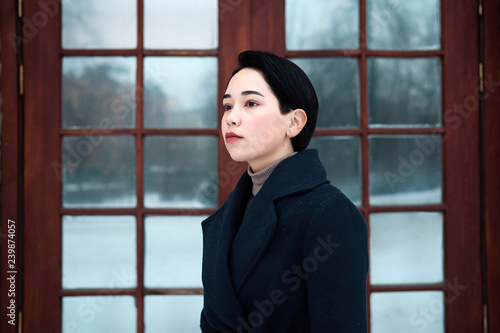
(330, 204)
(327, 194)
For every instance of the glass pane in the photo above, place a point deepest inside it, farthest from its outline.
(405, 169)
(180, 314)
(409, 311)
(99, 314)
(176, 24)
(406, 248)
(341, 156)
(173, 251)
(336, 81)
(98, 171)
(98, 92)
(180, 171)
(404, 92)
(327, 24)
(180, 92)
(95, 24)
(403, 25)
(99, 252)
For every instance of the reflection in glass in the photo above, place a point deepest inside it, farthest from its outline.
(173, 251)
(324, 24)
(180, 92)
(99, 252)
(171, 24)
(408, 311)
(404, 92)
(98, 171)
(99, 314)
(341, 156)
(403, 25)
(406, 248)
(180, 171)
(98, 92)
(181, 314)
(405, 169)
(95, 24)
(336, 81)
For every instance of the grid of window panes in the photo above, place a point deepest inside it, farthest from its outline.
(379, 134)
(139, 161)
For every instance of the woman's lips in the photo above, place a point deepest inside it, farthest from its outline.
(231, 137)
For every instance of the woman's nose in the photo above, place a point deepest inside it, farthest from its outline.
(233, 117)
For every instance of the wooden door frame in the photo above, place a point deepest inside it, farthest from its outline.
(34, 189)
(491, 162)
(11, 180)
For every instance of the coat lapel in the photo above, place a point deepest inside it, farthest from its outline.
(219, 230)
(252, 239)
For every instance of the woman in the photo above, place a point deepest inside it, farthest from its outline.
(287, 251)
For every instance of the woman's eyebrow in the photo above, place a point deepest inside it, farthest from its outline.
(244, 93)
(251, 92)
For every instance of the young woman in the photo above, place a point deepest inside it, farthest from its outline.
(287, 252)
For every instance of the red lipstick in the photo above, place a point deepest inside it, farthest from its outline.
(231, 137)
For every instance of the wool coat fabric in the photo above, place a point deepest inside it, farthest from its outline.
(295, 261)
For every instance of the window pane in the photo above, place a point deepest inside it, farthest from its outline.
(403, 25)
(404, 92)
(99, 252)
(405, 169)
(99, 314)
(409, 311)
(180, 314)
(326, 24)
(175, 24)
(99, 171)
(95, 24)
(180, 171)
(180, 92)
(98, 92)
(336, 81)
(173, 251)
(341, 156)
(406, 248)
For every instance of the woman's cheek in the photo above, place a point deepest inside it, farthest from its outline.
(263, 133)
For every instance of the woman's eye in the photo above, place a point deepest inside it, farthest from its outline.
(227, 107)
(251, 104)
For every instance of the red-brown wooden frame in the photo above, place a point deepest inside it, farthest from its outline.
(491, 151)
(11, 165)
(257, 24)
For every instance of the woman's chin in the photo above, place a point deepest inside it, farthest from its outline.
(238, 157)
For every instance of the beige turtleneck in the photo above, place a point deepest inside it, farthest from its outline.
(259, 178)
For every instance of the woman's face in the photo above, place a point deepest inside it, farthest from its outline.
(253, 127)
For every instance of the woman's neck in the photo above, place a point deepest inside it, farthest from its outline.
(260, 177)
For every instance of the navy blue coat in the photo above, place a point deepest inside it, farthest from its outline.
(296, 261)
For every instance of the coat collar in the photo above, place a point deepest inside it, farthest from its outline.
(300, 172)
(240, 249)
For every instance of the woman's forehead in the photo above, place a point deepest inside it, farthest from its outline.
(247, 79)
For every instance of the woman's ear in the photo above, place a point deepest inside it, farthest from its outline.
(298, 121)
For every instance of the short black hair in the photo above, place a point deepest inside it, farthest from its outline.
(290, 85)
